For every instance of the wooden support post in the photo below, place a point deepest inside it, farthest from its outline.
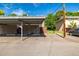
(64, 27)
(21, 30)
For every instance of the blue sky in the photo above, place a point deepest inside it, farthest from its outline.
(37, 9)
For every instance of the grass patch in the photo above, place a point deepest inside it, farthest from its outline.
(60, 32)
(50, 32)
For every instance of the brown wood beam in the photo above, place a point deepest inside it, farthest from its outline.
(64, 20)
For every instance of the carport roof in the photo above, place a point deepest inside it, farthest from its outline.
(25, 19)
(22, 17)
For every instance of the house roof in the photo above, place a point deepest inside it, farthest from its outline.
(72, 16)
(69, 18)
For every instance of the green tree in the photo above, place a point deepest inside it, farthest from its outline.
(69, 13)
(50, 22)
(59, 13)
(2, 12)
(24, 14)
(12, 14)
(72, 13)
(76, 13)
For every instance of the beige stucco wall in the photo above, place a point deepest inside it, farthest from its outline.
(59, 25)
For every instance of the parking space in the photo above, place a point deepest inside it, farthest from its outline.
(38, 46)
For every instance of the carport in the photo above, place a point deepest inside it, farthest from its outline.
(28, 25)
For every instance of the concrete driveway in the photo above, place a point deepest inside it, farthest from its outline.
(52, 45)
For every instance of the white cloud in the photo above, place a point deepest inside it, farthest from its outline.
(78, 10)
(18, 12)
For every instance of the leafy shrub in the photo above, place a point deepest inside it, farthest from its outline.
(50, 22)
(72, 25)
